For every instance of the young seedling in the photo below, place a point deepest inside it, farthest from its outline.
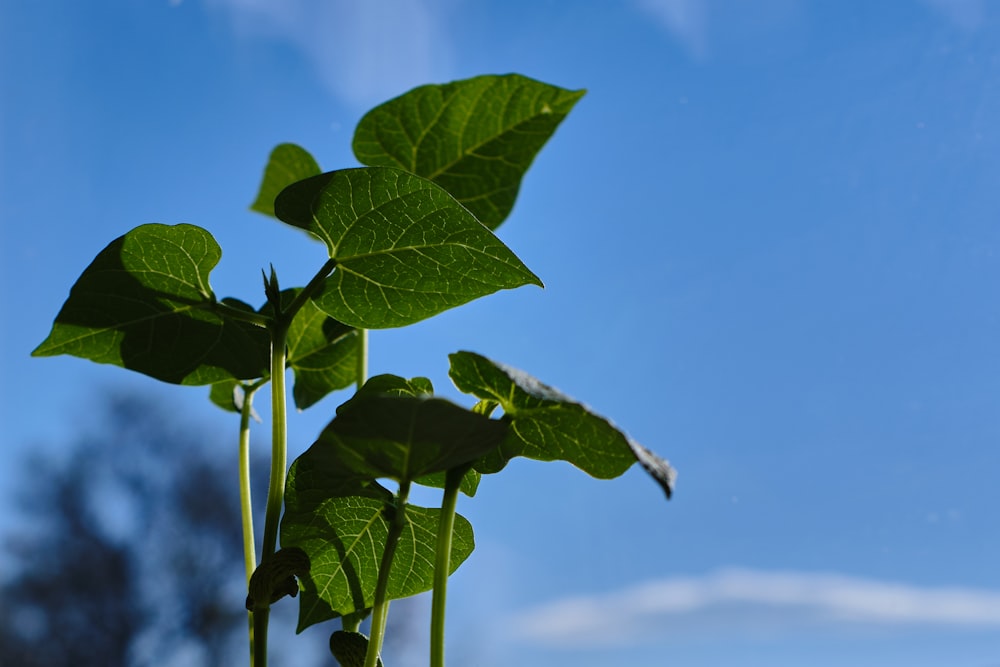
(408, 235)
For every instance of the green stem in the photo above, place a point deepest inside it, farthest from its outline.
(279, 438)
(278, 327)
(380, 610)
(276, 486)
(362, 366)
(311, 288)
(225, 310)
(442, 562)
(259, 632)
(352, 622)
(246, 504)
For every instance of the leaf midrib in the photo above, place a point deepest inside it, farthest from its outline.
(347, 551)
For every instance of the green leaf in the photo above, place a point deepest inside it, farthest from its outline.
(404, 438)
(229, 395)
(145, 304)
(318, 474)
(275, 577)
(475, 138)
(223, 394)
(418, 387)
(405, 249)
(547, 425)
(322, 352)
(344, 539)
(324, 462)
(350, 648)
(436, 480)
(288, 163)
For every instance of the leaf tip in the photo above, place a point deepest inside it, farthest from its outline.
(533, 279)
(48, 347)
(658, 468)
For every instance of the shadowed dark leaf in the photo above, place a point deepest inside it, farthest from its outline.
(145, 304)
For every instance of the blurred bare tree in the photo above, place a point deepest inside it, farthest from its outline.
(128, 551)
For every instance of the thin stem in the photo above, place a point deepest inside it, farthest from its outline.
(279, 439)
(276, 486)
(311, 287)
(224, 309)
(362, 366)
(442, 562)
(246, 504)
(380, 610)
(279, 411)
(278, 327)
(352, 622)
(259, 619)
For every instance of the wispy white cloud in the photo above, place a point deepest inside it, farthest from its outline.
(738, 601)
(966, 14)
(363, 51)
(685, 20)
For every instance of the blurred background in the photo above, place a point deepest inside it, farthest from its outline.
(769, 240)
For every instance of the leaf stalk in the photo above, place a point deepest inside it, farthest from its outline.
(246, 502)
(380, 609)
(225, 310)
(276, 486)
(311, 288)
(442, 562)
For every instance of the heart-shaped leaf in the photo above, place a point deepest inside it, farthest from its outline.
(405, 249)
(145, 304)
(344, 539)
(287, 164)
(475, 138)
(547, 425)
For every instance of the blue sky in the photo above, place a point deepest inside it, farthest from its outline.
(769, 236)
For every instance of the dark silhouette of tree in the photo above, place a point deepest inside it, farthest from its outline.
(129, 551)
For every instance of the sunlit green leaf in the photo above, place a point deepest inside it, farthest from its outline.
(547, 425)
(475, 137)
(145, 304)
(405, 249)
(344, 539)
(288, 163)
